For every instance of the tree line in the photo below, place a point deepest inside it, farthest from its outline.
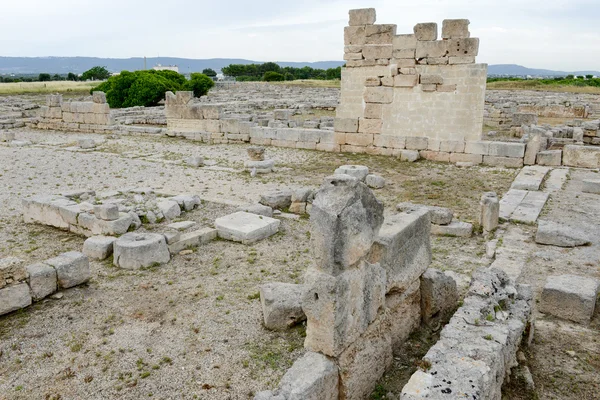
(271, 71)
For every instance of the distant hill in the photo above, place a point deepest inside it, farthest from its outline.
(64, 65)
(519, 70)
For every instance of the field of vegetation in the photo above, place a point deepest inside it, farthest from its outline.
(569, 84)
(47, 87)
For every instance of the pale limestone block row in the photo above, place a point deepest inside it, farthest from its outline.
(89, 116)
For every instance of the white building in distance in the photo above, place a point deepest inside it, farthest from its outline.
(159, 67)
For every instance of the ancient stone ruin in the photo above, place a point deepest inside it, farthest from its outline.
(399, 87)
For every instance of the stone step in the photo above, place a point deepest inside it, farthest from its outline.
(510, 202)
(530, 178)
(530, 208)
(556, 180)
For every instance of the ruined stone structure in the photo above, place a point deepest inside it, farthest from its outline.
(77, 116)
(401, 88)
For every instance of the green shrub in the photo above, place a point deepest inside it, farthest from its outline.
(95, 73)
(272, 76)
(200, 84)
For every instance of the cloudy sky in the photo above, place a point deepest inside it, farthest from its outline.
(552, 34)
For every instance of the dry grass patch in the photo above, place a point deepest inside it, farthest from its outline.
(47, 87)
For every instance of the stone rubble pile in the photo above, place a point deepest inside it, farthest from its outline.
(478, 347)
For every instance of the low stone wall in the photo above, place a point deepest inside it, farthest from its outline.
(478, 347)
(77, 116)
(20, 285)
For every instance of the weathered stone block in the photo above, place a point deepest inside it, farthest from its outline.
(107, 212)
(42, 280)
(354, 35)
(406, 80)
(345, 218)
(549, 157)
(426, 31)
(433, 49)
(362, 138)
(455, 228)
(282, 305)
(489, 211)
(377, 51)
(591, 186)
(12, 270)
(375, 181)
(461, 60)
(437, 215)
(384, 95)
(72, 269)
(372, 126)
(140, 250)
(581, 156)
(403, 248)
(403, 42)
(455, 28)
(193, 239)
(432, 79)
(340, 308)
(556, 234)
(245, 227)
(439, 296)
(14, 297)
(505, 149)
(372, 111)
(463, 47)
(277, 199)
(380, 34)
(416, 143)
(98, 247)
(508, 162)
(570, 297)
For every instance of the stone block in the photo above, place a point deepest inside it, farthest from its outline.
(182, 225)
(570, 297)
(437, 215)
(505, 149)
(536, 144)
(353, 56)
(466, 158)
(404, 54)
(99, 97)
(404, 42)
(365, 361)
(389, 141)
(408, 71)
(193, 239)
(340, 308)
(277, 199)
(508, 162)
(380, 34)
(260, 167)
(556, 234)
(373, 81)
(282, 305)
(550, 157)
(345, 219)
(428, 88)
(360, 139)
(463, 47)
(359, 172)
(211, 111)
(439, 297)
(312, 377)
(479, 147)
(581, 156)
(409, 155)
(377, 51)
(372, 111)
(13, 298)
(257, 209)
(383, 95)
(455, 228)
(446, 88)
(375, 181)
(519, 119)
(461, 60)
(169, 208)
(431, 49)
(42, 280)
(363, 16)
(416, 143)
(438, 156)
(455, 29)
(426, 31)
(140, 250)
(107, 212)
(452, 146)
(98, 247)
(403, 248)
(405, 62)
(72, 269)
(489, 211)
(245, 227)
(372, 126)
(12, 270)
(591, 186)
(406, 80)
(354, 35)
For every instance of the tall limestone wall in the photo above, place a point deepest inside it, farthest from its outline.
(409, 85)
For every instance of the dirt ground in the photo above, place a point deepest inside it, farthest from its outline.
(191, 328)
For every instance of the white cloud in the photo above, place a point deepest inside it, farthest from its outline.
(553, 34)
